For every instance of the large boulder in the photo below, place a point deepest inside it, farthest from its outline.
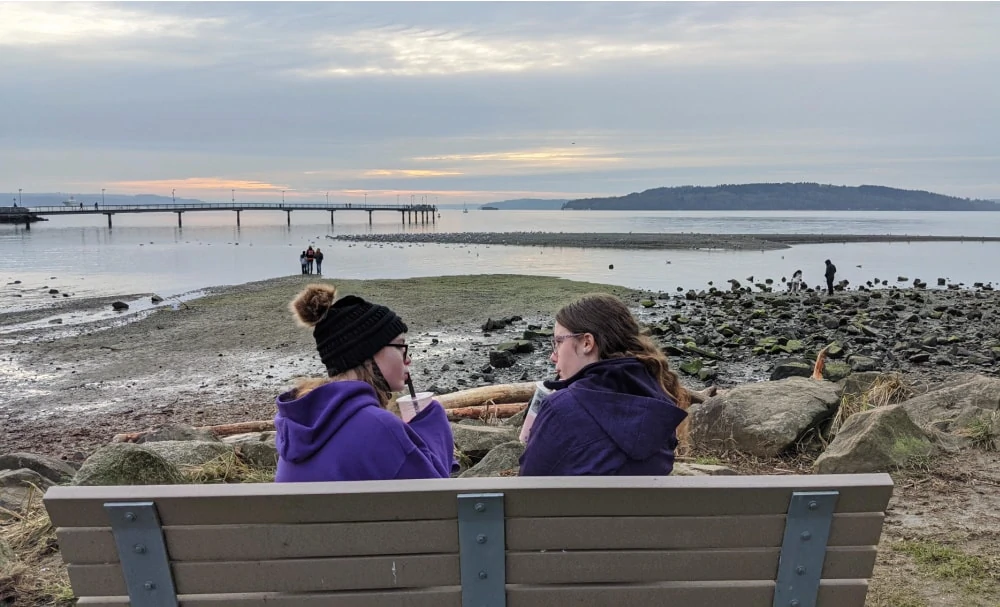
(876, 440)
(127, 464)
(504, 458)
(764, 418)
(182, 453)
(477, 441)
(682, 469)
(955, 404)
(18, 487)
(257, 449)
(791, 367)
(51, 468)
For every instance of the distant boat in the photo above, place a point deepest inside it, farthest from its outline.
(71, 202)
(466, 209)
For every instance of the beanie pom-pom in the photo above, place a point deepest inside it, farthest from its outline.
(312, 304)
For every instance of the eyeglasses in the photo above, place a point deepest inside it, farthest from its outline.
(405, 347)
(558, 339)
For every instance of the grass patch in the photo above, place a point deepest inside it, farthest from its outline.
(884, 595)
(984, 432)
(228, 468)
(708, 460)
(31, 571)
(887, 389)
(971, 572)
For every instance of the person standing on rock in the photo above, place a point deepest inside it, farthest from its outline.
(831, 271)
(616, 405)
(318, 255)
(302, 262)
(338, 428)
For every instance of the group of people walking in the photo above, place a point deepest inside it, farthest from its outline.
(614, 409)
(309, 258)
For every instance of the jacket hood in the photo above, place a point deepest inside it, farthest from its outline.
(303, 425)
(626, 401)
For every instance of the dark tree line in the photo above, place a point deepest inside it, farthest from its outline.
(783, 197)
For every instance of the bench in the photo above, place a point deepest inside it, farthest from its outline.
(749, 541)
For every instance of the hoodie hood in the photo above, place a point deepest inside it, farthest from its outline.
(628, 404)
(304, 425)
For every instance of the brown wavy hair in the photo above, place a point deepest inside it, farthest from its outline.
(618, 335)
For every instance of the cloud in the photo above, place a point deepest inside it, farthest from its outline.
(196, 184)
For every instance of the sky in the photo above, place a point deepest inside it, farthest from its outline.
(474, 101)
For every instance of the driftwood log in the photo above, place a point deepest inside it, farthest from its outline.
(220, 430)
(499, 394)
(486, 411)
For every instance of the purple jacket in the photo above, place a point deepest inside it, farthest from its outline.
(611, 418)
(338, 432)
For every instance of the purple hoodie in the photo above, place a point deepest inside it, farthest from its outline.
(338, 432)
(611, 418)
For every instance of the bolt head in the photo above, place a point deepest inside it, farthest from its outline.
(149, 586)
(481, 539)
(801, 570)
(806, 536)
(794, 603)
(139, 549)
(480, 507)
(813, 505)
(130, 516)
(483, 575)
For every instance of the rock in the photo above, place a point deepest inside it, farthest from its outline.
(941, 282)
(537, 334)
(693, 366)
(119, 306)
(834, 350)
(503, 458)
(178, 432)
(919, 358)
(519, 346)
(833, 371)
(51, 468)
(791, 367)
(156, 299)
(708, 374)
(493, 325)
(861, 363)
(683, 469)
(18, 487)
(182, 453)
(764, 418)
(477, 441)
(516, 421)
(647, 303)
(952, 405)
(255, 448)
(502, 359)
(127, 464)
(53, 291)
(877, 440)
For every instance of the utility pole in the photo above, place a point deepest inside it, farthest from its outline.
(173, 198)
(282, 197)
(19, 203)
(234, 196)
(102, 197)
(328, 198)
(366, 198)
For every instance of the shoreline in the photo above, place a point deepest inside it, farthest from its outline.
(648, 241)
(224, 357)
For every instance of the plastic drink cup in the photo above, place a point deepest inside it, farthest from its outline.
(534, 408)
(409, 408)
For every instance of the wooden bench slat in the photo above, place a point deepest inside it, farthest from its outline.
(534, 568)
(445, 596)
(291, 575)
(675, 533)
(435, 498)
(541, 568)
(832, 593)
(89, 545)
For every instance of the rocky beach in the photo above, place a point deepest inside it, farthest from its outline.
(929, 356)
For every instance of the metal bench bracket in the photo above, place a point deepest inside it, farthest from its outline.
(807, 530)
(143, 554)
(482, 545)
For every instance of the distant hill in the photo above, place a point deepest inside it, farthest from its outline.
(56, 199)
(528, 204)
(782, 197)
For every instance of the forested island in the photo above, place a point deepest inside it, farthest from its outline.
(782, 197)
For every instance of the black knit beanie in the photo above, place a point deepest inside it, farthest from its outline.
(354, 330)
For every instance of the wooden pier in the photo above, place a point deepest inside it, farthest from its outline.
(409, 213)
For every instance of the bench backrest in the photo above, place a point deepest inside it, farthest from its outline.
(694, 541)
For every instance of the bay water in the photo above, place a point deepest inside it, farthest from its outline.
(144, 253)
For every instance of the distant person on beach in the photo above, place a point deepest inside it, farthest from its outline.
(337, 428)
(319, 260)
(95, 206)
(302, 261)
(831, 271)
(310, 258)
(616, 406)
(796, 283)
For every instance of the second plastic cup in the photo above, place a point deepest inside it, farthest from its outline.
(409, 408)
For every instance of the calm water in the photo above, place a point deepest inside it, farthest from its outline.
(148, 253)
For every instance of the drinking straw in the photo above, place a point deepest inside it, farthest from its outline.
(409, 384)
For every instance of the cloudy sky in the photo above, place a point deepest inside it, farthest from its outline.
(487, 101)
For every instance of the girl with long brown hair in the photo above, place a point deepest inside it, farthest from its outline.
(616, 405)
